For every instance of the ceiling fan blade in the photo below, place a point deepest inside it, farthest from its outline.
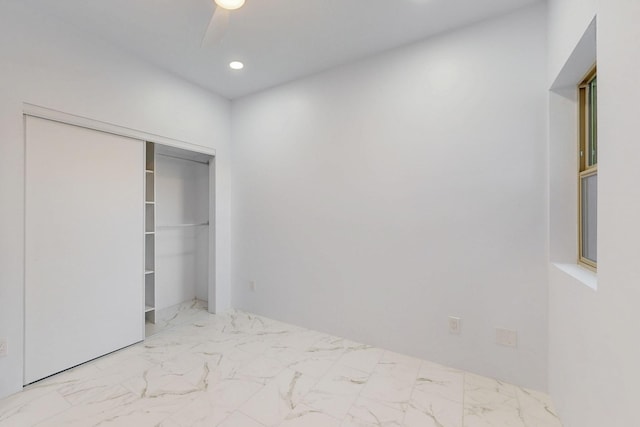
(217, 27)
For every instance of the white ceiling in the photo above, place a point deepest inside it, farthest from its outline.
(278, 40)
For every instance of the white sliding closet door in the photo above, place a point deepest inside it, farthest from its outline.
(84, 247)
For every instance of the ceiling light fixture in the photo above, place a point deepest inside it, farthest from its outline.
(230, 4)
(236, 65)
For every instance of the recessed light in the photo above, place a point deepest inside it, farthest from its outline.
(230, 4)
(236, 65)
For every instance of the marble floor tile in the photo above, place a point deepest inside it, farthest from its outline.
(304, 416)
(536, 409)
(276, 400)
(398, 366)
(372, 413)
(337, 390)
(437, 398)
(73, 378)
(433, 410)
(489, 402)
(117, 358)
(237, 419)
(16, 411)
(237, 369)
(390, 391)
(90, 388)
(261, 370)
(158, 381)
(93, 410)
(212, 407)
(312, 366)
(362, 356)
(319, 357)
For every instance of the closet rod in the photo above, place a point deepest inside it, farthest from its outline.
(183, 225)
(182, 158)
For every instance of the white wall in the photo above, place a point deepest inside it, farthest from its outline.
(375, 200)
(594, 350)
(567, 20)
(47, 63)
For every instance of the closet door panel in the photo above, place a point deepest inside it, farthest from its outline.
(84, 252)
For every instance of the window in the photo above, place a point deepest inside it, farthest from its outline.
(588, 172)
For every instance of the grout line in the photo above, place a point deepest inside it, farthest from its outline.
(238, 411)
(464, 396)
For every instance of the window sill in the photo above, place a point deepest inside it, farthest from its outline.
(581, 274)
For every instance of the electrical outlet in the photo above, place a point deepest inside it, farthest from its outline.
(3, 347)
(252, 286)
(507, 337)
(455, 325)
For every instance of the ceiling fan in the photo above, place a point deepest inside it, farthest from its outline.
(220, 20)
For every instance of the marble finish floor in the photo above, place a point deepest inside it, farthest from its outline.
(241, 370)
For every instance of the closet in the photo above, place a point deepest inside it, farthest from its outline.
(117, 236)
(177, 234)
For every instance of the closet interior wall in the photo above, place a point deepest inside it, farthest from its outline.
(181, 227)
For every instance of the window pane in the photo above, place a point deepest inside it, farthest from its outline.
(592, 143)
(589, 218)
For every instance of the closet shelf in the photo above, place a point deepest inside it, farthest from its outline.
(149, 228)
(202, 224)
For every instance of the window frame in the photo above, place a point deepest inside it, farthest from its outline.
(585, 169)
